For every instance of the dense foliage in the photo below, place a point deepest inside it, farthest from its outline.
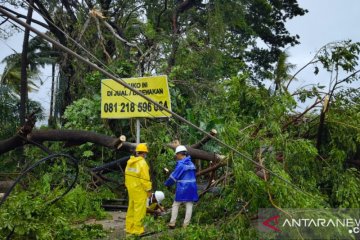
(31, 213)
(220, 77)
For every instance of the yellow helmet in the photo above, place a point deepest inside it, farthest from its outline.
(141, 147)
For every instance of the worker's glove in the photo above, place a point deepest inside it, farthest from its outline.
(149, 194)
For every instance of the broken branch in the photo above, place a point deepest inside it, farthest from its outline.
(204, 140)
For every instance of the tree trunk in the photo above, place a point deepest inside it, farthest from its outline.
(66, 69)
(51, 121)
(5, 185)
(65, 97)
(77, 137)
(23, 81)
(204, 140)
(24, 63)
(199, 154)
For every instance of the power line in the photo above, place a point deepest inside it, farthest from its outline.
(123, 83)
(93, 56)
(17, 27)
(88, 52)
(70, 38)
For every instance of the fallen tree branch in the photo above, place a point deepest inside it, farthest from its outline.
(18, 15)
(11, 144)
(210, 169)
(19, 139)
(204, 140)
(214, 183)
(80, 137)
(71, 136)
(199, 154)
(317, 101)
(122, 39)
(77, 137)
(5, 185)
(116, 165)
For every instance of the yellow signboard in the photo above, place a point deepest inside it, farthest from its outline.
(120, 102)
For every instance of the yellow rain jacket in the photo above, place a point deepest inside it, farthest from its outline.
(137, 182)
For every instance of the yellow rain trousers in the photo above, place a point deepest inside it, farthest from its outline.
(137, 182)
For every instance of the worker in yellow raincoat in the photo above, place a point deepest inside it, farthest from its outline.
(138, 184)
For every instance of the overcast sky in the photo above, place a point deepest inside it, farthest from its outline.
(326, 21)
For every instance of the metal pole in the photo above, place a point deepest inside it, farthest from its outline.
(123, 83)
(137, 131)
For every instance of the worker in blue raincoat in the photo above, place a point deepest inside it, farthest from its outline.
(184, 176)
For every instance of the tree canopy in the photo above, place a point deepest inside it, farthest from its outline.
(228, 70)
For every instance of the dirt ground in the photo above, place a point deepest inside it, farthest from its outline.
(115, 225)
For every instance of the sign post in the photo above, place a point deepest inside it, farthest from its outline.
(118, 102)
(137, 131)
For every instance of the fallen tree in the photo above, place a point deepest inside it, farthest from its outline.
(27, 136)
(78, 137)
(5, 185)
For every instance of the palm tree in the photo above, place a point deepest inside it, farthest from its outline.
(9, 114)
(40, 53)
(282, 71)
(11, 76)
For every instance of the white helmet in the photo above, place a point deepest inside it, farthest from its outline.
(159, 196)
(180, 148)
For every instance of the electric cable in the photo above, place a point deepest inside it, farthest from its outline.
(86, 51)
(33, 166)
(92, 56)
(123, 83)
(38, 163)
(17, 27)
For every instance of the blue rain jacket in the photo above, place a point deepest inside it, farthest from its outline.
(184, 176)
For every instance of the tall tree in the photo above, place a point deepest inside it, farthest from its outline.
(195, 42)
(38, 55)
(282, 71)
(24, 64)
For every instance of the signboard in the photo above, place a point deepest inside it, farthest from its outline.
(120, 102)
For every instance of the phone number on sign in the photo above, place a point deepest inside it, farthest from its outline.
(133, 107)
